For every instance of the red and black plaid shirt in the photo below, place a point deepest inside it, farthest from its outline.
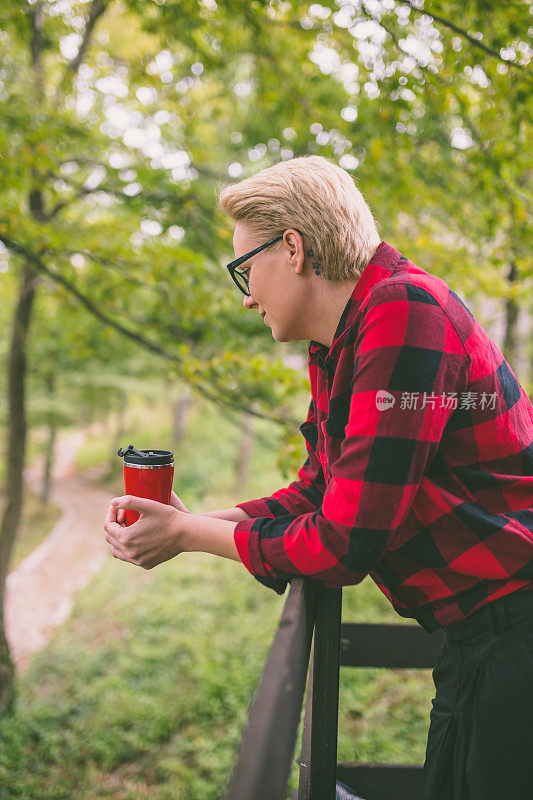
(420, 458)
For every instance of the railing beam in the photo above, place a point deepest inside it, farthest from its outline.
(263, 765)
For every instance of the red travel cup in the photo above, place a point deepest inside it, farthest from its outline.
(147, 473)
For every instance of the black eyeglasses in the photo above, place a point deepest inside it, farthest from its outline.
(240, 276)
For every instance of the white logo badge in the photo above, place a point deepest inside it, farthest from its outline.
(384, 400)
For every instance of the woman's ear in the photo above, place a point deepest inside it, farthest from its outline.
(296, 250)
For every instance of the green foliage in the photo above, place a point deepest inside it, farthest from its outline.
(128, 151)
(129, 154)
(145, 690)
(148, 691)
(125, 154)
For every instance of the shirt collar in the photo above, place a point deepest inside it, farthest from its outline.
(381, 266)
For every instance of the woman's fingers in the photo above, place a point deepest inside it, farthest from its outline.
(149, 541)
(177, 503)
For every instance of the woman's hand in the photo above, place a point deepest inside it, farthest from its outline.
(174, 501)
(156, 537)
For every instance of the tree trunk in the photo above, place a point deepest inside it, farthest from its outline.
(118, 432)
(181, 409)
(50, 445)
(16, 449)
(511, 319)
(244, 454)
(16, 415)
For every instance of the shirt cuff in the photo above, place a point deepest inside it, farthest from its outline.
(255, 508)
(247, 542)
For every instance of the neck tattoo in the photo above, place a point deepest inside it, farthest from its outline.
(317, 266)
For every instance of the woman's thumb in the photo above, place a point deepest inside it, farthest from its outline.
(131, 502)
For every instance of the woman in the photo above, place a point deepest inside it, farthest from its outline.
(419, 469)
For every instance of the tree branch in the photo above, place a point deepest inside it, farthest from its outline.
(36, 17)
(461, 32)
(123, 268)
(493, 164)
(95, 12)
(37, 261)
(484, 147)
(81, 192)
(221, 396)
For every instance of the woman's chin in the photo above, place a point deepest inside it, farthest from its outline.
(279, 336)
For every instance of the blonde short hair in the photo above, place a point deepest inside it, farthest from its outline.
(317, 197)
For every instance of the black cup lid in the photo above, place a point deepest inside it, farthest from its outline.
(155, 457)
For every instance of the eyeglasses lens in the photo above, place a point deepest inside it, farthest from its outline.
(241, 281)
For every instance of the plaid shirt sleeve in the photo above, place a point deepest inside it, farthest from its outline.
(301, 496)
(376, 468)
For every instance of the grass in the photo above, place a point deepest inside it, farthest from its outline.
(383, 713)
(144, 691)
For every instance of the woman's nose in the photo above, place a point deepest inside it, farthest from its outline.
(248, 302)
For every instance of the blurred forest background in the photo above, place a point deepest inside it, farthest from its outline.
(120, 121)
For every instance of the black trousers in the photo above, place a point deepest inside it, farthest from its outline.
(480, 740)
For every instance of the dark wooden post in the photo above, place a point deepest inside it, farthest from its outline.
(318, 762)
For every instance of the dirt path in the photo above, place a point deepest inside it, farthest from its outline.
(41, 591)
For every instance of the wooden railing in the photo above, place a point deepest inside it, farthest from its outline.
(263, 765)
(312, 614)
